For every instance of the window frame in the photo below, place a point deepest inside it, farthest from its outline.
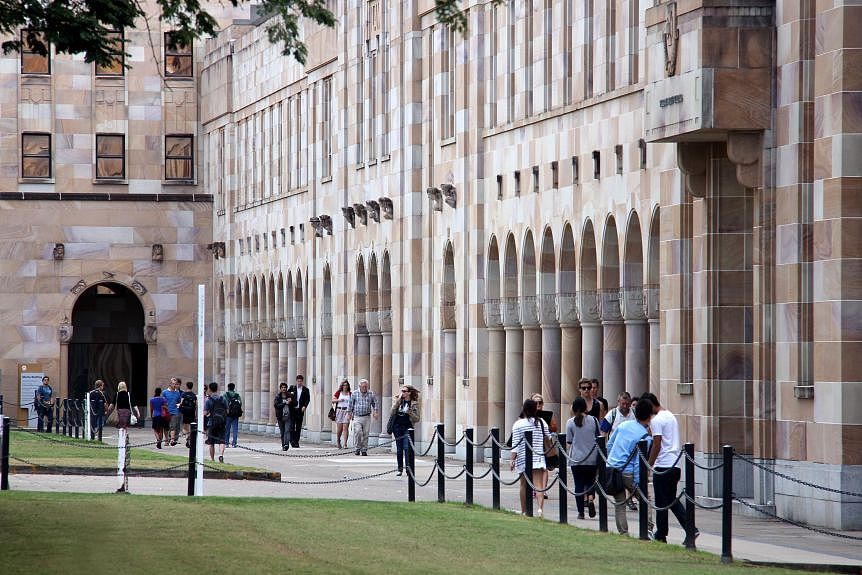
(26, 51)
(101, 72)
(50, 156)
(172, 49)
(121, 157)
(190, 158)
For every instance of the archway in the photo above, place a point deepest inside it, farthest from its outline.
(496, 395)
(588, 306)
(108, 342)
(551, 344)
(632, 303)
(570, 329)
(514, 335)
(530, 319)
(613, 329)
(449, 327)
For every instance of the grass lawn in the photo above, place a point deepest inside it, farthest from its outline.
(61, 451)
(86, 533)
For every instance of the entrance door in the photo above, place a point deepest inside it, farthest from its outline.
(108, 342)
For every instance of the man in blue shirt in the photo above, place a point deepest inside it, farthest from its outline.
(172, 397)
(621, 445)
(43, 401)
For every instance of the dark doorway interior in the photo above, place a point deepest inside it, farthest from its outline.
(108, 342)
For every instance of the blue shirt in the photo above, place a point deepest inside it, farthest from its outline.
(622, 442)
(173, 398)
(46, 391)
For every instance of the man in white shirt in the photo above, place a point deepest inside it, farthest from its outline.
(622, 412)
(663, 458)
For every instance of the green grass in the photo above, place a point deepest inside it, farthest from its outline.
(86, 533)
(60, 451)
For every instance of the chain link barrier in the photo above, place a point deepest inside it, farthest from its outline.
(796, 523)
(793, 479)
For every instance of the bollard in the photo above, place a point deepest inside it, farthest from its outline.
(469, 473)
(56, 409)
(411, 466)
(88, 422)
(689, 495)
(66, 417)
(441, 465)
(1, 404)
(193, 457)
(4, 455)
(76, 405)
(726, 504)
(561, 472)
(528, 472)
(643, 485)
(603, 502)
(495, 467)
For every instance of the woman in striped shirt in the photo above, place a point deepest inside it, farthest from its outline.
(530, 422)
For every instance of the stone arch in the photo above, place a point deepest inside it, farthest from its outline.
(547, 284)
(613, 344)
(652, 297)
(359, 295)
(568, 276)
(373, 294)
(495, 390)
(588, 305)
(492, 277)
(385, 301)
(510, 269)
(449, 338)
(632, 307)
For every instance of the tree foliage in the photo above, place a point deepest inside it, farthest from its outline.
(85, 26)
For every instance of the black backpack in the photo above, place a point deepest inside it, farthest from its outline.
(234, 406)
(218, 416)
(188, 402)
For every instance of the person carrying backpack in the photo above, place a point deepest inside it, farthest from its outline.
(188, 409)
(234, 412)
(215, 412)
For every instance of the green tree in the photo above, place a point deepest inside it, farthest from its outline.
(85, 26)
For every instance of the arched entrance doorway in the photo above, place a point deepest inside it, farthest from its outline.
(108, 342)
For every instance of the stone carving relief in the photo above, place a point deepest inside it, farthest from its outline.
(138, 287)
(151, 334)
(36, 94)
(79, 287)
(671, 39)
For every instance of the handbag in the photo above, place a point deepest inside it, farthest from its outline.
(552, 454)
(390, 425)
(331, 414)
(132, 419)
(166, 415)
(612, 480)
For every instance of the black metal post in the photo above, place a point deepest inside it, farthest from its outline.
(4, 455)
(495, 467)
(57, 413)
(468, 499)
(561, 471)
(727, 504)
(603, 502)
(441, 465)
(411, 467)
(1, 404)
(528, 471)
(66, 417)
(78, 413)
(643, 497)
(193, 457)
(689, 495)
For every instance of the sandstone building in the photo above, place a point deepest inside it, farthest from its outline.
(662, 195)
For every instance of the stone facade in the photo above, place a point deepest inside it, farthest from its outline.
(83, 215)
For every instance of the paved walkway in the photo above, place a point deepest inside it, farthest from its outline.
(753, 539)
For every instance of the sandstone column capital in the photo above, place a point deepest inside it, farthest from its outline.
(547, 308)
(385, 318)
(632, 303)
(567, 309)
(609, 302)
(529, 311)
(510, 308)
(589, 307)
(493, 317)
(326, 324)
(651, 301)
(372, 320)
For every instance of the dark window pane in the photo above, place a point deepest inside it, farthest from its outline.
(178, 66)
(31, 61)
(109, 145)
(36, 144)
(36, 167)
(178, 169)
(178, 146)
(109, 168)
(115, 68)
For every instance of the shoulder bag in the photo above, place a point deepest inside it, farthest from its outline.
(552, 454)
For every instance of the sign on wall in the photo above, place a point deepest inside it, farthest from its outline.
(29, 379)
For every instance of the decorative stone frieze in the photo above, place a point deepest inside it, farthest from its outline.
(386, 319)
(547, 303)
(609, 302)
(493, 317)
(510, 308)
(529, 311)
(589, 309)
(632, 303)
(567, 309)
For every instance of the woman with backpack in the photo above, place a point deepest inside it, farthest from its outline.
(215, 416)
(581, 432)
(158, 413)
(188, 409)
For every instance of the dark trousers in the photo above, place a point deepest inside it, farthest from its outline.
(664, 485)
(295, 424)
(585, 477)
(283, 432)
(402, 442)
(42, 413)
(98, 422)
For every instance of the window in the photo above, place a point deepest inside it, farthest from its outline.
(555, 174)
(535, 179)
(241, 250)
(110, 157)
(178, 58)
(448, 104)
(292, 235)
(283, 238)
(575, 170)
(517, 183)
(597, 164)
(36, 155)
(32, 60)
(116, 67)
(302, 232)
(179, 157)
(618, 152)
(499, 187)
(326, 128)
(642, 149)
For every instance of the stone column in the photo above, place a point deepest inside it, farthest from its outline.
(637, 341)
(496, 365)
(551, 352)
(514, 363)
(450, 406)
(651, 307)
(363, 358)
(263, 393)
(386, 391)
(242, 384)
(613, 345)
(591, 334)
(255, 386)
(570, 351)
(247, 368)
(291, 362)
(329, 384)
(375, 371)
(532, 346)
(267, 393)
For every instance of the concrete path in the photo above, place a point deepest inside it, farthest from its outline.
(304, 469)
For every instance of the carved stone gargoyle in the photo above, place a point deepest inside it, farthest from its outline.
(373, 210)
(349, 215)
(386, 207)
(362, 213)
